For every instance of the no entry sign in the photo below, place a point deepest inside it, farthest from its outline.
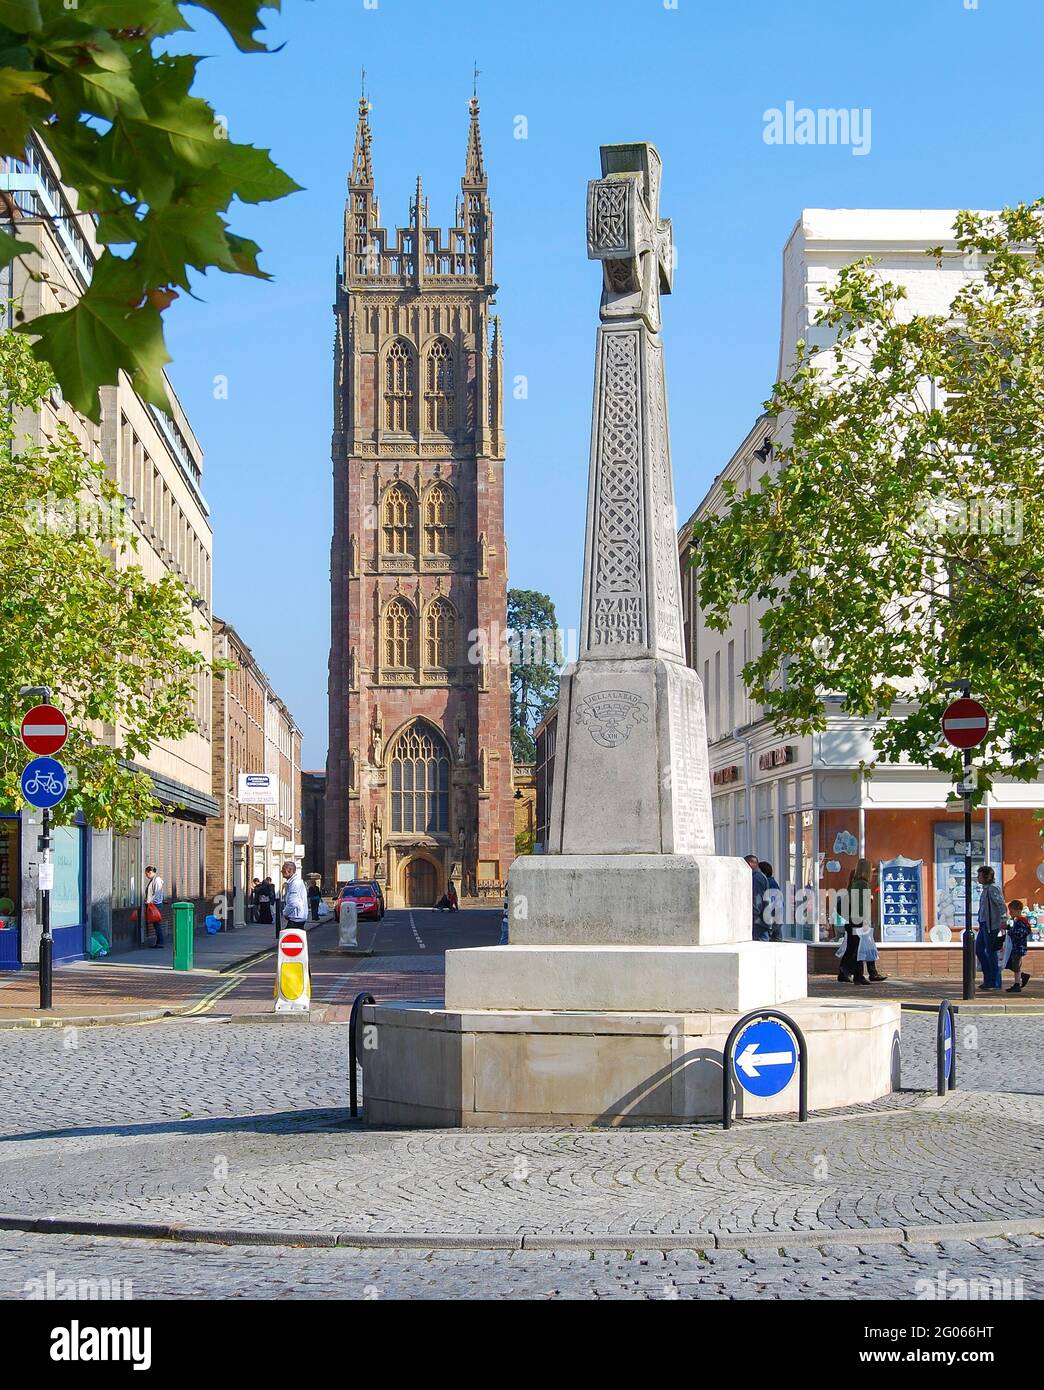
(965, 724)
(44, 729)
(293, 991)
(291, 944)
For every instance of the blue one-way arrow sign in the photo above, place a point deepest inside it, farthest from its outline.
(765, 1058)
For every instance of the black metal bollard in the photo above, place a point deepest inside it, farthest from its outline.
(353, 1080)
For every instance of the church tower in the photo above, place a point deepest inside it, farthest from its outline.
(419, 765)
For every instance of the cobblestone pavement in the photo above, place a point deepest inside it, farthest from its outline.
(242, 1125)
(984, 1269)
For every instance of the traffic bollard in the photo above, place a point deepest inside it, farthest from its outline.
(183, 928)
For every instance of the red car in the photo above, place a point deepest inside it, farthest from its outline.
(367, 897)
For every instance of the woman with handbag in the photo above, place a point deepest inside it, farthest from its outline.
(154, 904)
(859, 930)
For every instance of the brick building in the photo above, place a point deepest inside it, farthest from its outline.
(419, 765)
(254, 732)
(313, 820)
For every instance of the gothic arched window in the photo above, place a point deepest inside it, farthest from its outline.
(440, 520)
(420, 770)
(399, 521)
(398, 388)
(438, 387)
(400, 639)
(440, 635)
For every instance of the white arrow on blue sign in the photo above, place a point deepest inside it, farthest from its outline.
(947, 1044)
(765, 1057)
(44, 783)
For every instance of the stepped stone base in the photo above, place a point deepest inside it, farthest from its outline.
(624, 899)
(440, 1068)
(648, 979)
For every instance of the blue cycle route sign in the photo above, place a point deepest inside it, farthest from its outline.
(44, 783)
(765, 1058)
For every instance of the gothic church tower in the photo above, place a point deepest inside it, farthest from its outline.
(419, 765)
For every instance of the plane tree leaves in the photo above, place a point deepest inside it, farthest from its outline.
(149, 161)
(894, 544)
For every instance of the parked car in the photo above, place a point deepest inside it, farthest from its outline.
(368, 898)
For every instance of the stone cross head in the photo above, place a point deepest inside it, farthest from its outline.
(627, 234)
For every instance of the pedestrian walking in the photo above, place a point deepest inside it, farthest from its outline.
(315, 897)
(774, 902)
(295, 896)
(993, 911)
(266, 895)
(860, 946)
(154, 904)
(255, 889)
(1019, 933)
(758, 889)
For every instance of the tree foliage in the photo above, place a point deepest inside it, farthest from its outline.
(77, 614)
(151, 162)
(897, 545)
(535, 658)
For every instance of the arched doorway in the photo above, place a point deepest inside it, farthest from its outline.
(419, 882)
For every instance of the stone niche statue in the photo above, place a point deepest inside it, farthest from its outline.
(462, 744)
(377, 735)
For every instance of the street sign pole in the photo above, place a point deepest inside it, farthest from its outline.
(969, 935)
(46, 939)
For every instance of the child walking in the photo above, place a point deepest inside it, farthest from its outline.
(1019, 936)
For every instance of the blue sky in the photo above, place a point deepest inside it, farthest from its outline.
(956, 121)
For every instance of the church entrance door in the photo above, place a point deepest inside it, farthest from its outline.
(420, 883)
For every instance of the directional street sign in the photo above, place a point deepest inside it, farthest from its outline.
(44, 783)
(44, 729)
(965, 723)
(948, 1044)
(766, 1057)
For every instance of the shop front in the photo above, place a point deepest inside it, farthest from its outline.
(20, 924)
(808, 810)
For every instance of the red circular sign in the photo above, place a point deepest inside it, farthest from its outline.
(45, 729)
(291, 944)
(965, 723)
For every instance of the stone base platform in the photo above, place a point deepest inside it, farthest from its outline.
(636, 978)
(513, 1068)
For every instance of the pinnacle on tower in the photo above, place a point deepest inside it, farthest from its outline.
(362, 164)
(474, 169)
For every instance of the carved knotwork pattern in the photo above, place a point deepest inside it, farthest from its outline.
(665, 553)
(617, 615)
(610, 217)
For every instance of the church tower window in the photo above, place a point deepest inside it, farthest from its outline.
(420, 783)
(440, 520)
(439, 387)
(440, 635)
(400, 644)
(399, 530)
(398, 388)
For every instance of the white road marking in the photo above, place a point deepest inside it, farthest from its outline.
(416, 933)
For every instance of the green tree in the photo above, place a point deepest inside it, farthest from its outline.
(897, 545)
(151, 163)
(76, 614)
(535, 649)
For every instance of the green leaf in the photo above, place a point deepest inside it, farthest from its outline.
(17, 111)
(108, 331)
(23, 16)
(162, 17)
(10, 247)
(241, 18)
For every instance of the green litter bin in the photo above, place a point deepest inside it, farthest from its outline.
(183, 926)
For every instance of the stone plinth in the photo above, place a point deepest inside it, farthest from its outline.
(625, 899)
(649, 979)
(447, 1068)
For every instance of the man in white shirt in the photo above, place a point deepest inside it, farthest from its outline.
(295, 897)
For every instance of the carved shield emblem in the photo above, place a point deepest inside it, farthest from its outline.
(610, 715)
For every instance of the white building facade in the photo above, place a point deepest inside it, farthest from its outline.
(801, 804)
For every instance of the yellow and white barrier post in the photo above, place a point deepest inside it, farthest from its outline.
(293, 986)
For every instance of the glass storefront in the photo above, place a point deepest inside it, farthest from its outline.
(10, 954)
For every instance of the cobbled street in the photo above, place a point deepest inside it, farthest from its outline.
(241, 1127)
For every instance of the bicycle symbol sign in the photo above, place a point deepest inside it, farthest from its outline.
(44, 782)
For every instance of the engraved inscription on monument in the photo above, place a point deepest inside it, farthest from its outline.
(610, 715)
(690, 779)
(618, 613)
